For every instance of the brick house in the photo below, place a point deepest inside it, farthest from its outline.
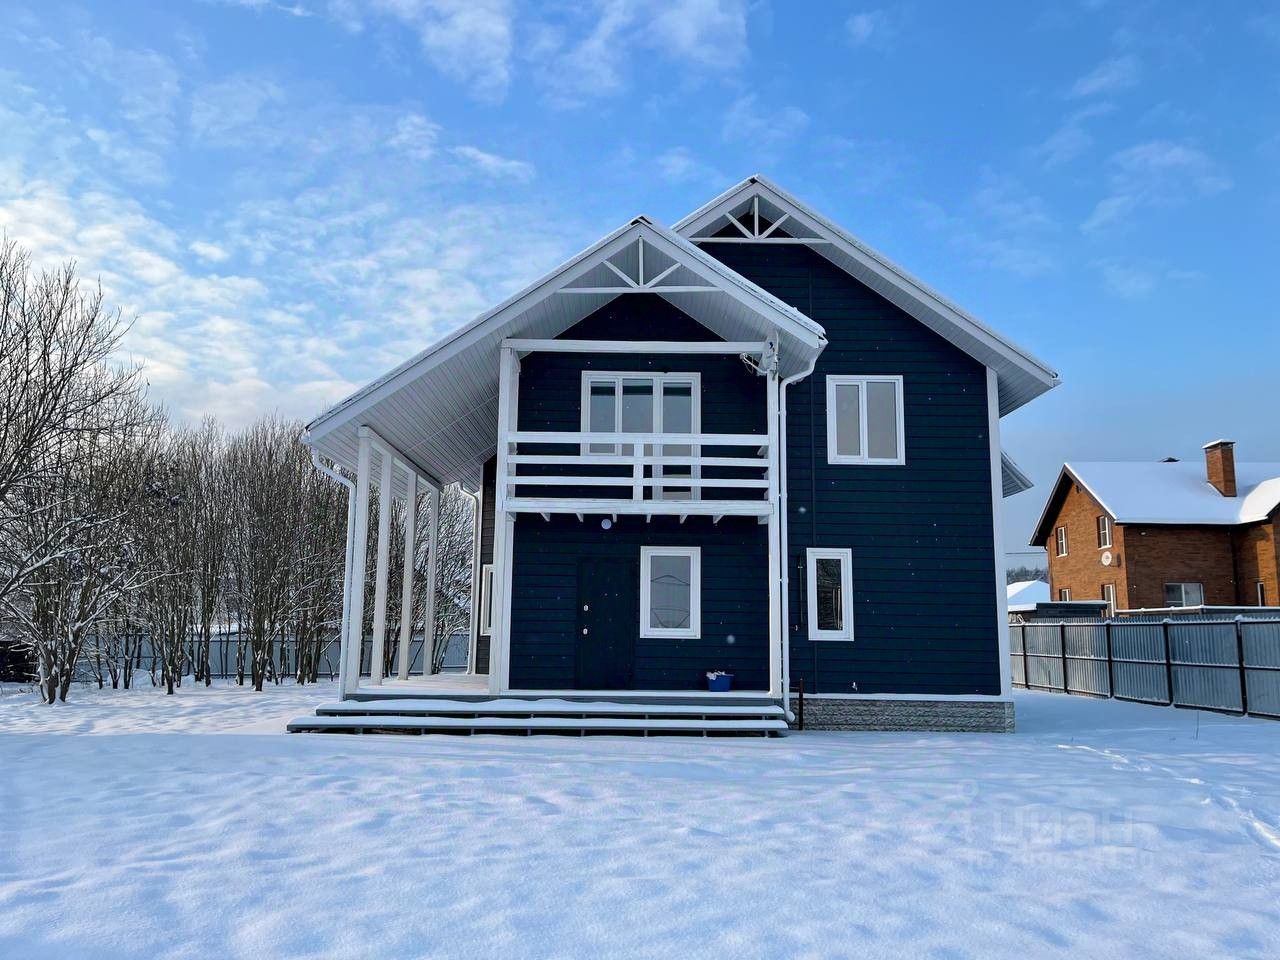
(1167, 534)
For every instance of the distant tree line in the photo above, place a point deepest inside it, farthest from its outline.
(1023, 573)
(123, 532)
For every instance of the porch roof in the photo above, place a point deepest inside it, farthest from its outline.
(440, 408)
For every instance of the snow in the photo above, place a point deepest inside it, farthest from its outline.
(190, 826)
(1179, 492)
(1025, 594)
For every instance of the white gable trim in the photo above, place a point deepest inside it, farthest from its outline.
(1022, 377)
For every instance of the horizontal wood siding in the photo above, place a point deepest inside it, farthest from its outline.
(921, 533)
(735, 600)
(735, 611)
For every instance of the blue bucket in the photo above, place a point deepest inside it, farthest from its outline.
(720, 684)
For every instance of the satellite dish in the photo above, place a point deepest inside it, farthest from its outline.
(1106, 558)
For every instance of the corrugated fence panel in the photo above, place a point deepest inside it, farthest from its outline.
(1043, 645)
(1017, 663)
(1262, 666)
(1206, 671)
(1087, 658)
(1137, 650)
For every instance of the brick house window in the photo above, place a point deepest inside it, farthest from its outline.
(1109, 595)
(1064, 594)
(1262, 594)
(1060, 541)
(1104, 532)
(1183, 594)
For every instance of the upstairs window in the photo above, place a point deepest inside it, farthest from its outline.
(1104, 532)
(1060, 541)
(671, 592)
(1184, 594)
(865, 420)
(1064, 594)
(830, 577)
(645, 403)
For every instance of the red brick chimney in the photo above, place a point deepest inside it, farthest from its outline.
(1220, 466)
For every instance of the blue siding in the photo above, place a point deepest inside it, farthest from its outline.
(923, 562)
(545, 555)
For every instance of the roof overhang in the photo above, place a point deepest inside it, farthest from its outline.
(1020, 376)
(1012, 478)
(440, 407)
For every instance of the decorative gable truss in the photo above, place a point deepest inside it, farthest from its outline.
(756, 219)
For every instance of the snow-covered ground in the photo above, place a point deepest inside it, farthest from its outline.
(135, 825)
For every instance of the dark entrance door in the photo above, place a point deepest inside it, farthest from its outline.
(608, 618)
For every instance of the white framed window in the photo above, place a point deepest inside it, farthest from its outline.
(1184, 594)
(644, 403)
(1060, 541)
(1262, 594)
(830, 586)
(671, 592)
(865, 422)
(1064, 594)
(1109, 595)
(486, 600)
(1104, 532)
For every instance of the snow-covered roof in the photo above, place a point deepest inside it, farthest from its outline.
(1173, 493)
(1025, 594)
(1020, 376)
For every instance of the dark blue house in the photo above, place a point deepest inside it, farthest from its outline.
(746, 445)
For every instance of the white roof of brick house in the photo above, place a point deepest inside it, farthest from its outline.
(1025, 594)
(1177, 493)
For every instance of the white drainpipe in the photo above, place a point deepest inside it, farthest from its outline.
(346, 571)
(782, 509)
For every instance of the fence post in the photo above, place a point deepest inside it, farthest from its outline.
(1026, 676)
(1244, 675)
(1168, 659)
(1111, 664)
(1062, 648)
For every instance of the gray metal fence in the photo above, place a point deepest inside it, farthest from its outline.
(1229, 665)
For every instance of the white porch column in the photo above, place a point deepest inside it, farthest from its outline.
(997, 532)
(777, 635)
(380, 573)
(406, 587)
(352, 642)
(429, 607)
(502, 524)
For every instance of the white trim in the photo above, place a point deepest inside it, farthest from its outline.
(777, 635)
(354, 639)
(429, 605)
(1064, 594)
(381, 569)
(1260, 590)
(473, 621)
(1103, 523)
(1061, 545)
(691, 347)
(909, 293)
(1182, 589)
(486, 600)
(845, 556)
(694, 630)
(997, 532)
(406, 580)
(503, 522)
(920, 697)
(834, 382)
(1109, 588)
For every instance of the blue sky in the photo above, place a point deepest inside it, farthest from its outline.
(292, 197)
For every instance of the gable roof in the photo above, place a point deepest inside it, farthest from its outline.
(1025, 594)
(439, 408)
(1169, 493)
(1021, 376)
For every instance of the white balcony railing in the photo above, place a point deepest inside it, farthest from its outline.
(649, 473)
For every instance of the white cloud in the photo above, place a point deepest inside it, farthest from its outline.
(680, 165)
(208, 251)
(223, 111)
(135, 164)
(1003, 227)
(416, 136)
(1071, 139)
(869, 26)
(1136, 281)
(147, 84)
(586, 56)
(492, 165)
(763, 128)
(1159, 173)
(1111, 76)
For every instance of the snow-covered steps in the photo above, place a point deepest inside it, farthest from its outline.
(547, 716)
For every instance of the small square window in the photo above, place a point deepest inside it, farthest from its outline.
(1184, 595)
(670, 592)
(865, 422)
(1064, 594)
(1060, 540)
(830, 588)
(1104, 532)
